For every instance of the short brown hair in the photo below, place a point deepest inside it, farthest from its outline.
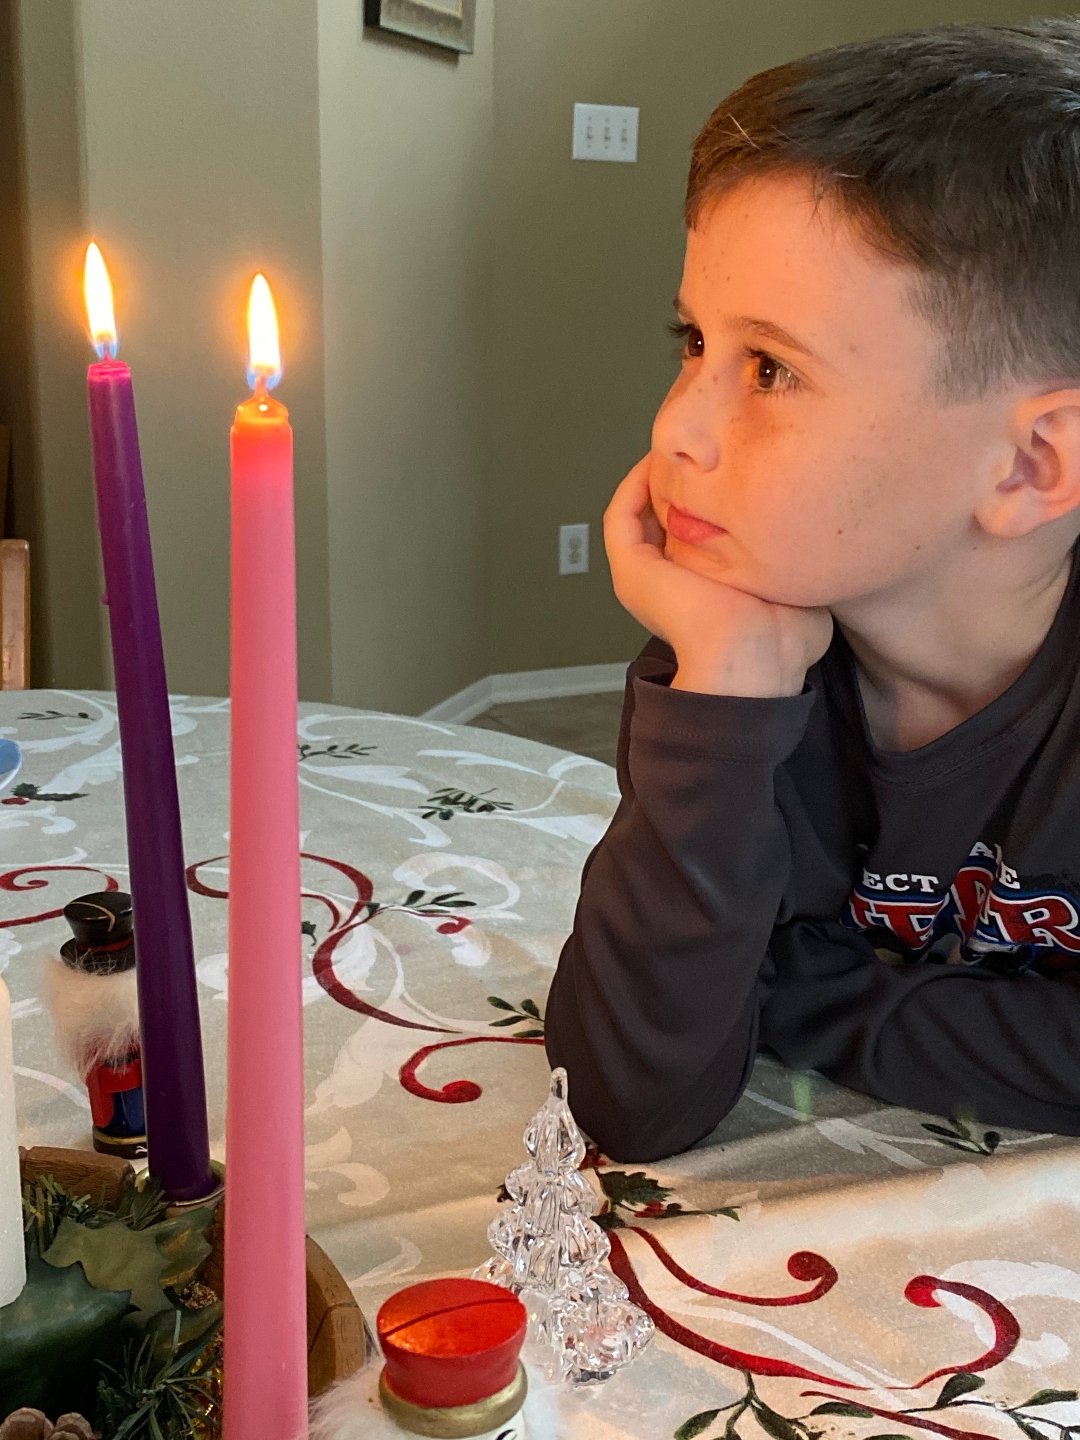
(955, 150)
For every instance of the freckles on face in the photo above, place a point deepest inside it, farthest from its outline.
(800, 421)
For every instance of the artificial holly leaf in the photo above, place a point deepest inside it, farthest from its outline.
(143, 1262)
(168, 1339)
(51, 1334)
(632, 1187)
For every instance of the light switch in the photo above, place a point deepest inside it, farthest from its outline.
(605, 132)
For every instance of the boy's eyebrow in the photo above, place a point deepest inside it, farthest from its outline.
(768, 329)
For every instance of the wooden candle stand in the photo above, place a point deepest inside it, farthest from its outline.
(337, 1336)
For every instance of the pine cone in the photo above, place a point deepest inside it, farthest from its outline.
(26, 1424)
(73, 1427)
(29, 1424)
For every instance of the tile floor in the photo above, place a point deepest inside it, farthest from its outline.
(585, 724)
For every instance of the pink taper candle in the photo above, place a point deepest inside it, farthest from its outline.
(265, 1361)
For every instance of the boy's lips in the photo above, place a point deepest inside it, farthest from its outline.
(690, 528)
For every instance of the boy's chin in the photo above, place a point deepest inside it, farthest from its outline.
(698, 560)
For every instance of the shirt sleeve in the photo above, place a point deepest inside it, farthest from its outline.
(653, 1009)
(949, 1039)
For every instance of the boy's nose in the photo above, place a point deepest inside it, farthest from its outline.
(685, 428)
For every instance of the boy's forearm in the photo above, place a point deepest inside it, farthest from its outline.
(654, 1006)
(953, 1040)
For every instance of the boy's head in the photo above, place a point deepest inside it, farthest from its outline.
(910, 208)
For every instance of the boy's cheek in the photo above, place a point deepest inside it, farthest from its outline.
(659, 481)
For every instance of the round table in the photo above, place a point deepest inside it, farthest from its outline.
(821, 1249)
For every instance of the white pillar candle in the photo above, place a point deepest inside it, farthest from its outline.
(12, 1255)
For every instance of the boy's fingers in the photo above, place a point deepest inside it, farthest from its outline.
(632, 491)
(629, 517)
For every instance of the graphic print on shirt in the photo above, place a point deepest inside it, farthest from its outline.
(1002, 923)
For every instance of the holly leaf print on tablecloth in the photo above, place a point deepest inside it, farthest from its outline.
(53, 715)
(447, 802)
(26, 792)
(960, 1137)
(527, 1011)
(638, 1196)
(353, 751)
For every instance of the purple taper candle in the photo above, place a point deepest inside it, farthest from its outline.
(173, 1082)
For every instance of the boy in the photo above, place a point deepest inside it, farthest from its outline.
(849, 763)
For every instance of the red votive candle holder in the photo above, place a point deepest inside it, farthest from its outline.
(451, 1349)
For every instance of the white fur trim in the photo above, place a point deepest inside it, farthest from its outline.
(96, 1017)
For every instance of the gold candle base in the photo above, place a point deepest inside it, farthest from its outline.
(212, 1197)
(455, 1421)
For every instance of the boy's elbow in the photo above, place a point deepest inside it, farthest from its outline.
(630, 1125)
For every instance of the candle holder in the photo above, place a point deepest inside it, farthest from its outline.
(338, 1338)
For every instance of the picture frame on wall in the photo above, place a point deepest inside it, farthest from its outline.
(447, 23)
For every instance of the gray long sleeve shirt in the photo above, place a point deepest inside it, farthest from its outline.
(907, 923)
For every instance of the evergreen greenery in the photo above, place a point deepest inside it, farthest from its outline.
(101, 1317)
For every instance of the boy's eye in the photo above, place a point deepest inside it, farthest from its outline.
(769, 375)
(693, 342)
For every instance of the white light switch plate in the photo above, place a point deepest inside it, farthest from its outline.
(605, 132)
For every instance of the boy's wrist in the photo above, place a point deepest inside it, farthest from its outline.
(730, 676)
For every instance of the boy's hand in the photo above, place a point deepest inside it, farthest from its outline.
(727, 642)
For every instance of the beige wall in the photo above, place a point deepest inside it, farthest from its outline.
(42, 353)
(406, 213)
(200, 125)
(473, 323)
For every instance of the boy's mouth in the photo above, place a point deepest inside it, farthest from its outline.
(690, 528)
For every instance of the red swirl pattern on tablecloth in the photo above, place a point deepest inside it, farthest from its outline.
(804, 1265)
(455, 1092)
(701, 1344)
(15, 880)
(923, 1289)
(322, 964)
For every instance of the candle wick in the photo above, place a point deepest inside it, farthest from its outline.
(262, 394)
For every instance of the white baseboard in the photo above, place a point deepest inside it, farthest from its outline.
(527, 685)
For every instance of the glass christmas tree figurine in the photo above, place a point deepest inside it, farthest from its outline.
(550, 1253)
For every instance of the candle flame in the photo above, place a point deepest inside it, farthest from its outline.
(97, 289)
(264, 351)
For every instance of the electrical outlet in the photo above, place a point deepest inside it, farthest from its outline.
(573, 549)
(605, 132)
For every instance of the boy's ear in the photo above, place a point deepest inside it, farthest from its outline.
(1041, 480)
